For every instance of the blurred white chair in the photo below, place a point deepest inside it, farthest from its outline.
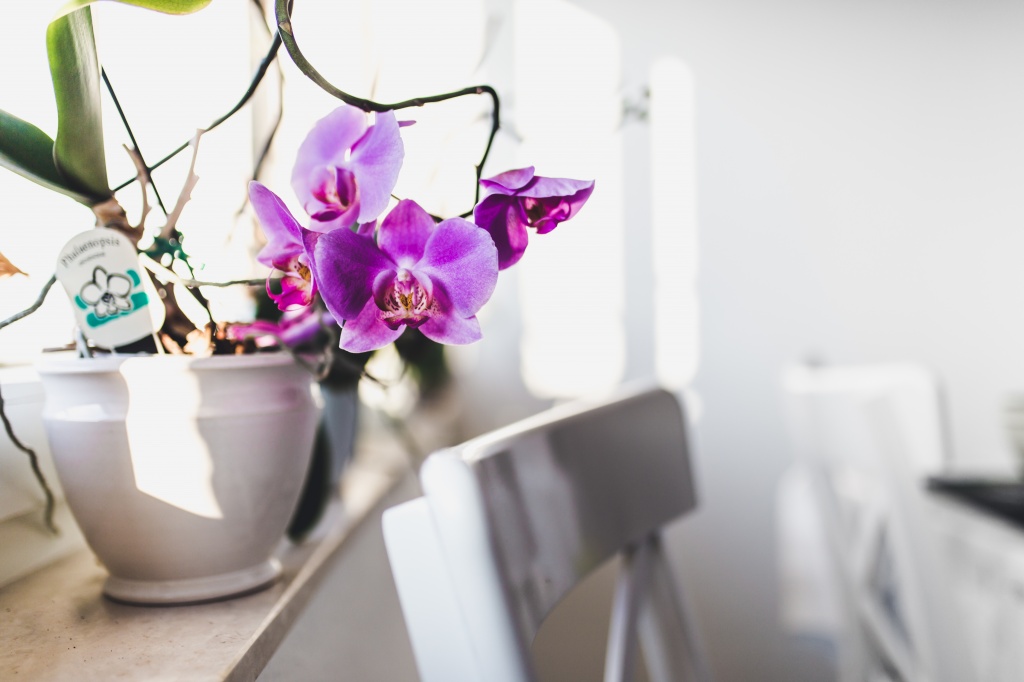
(868, 437)
(512, 520)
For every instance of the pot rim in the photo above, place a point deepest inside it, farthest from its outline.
(68, 363)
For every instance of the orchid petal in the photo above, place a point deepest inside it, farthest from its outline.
(365, 331)
(377, 159)
(335, 199)
(284, 234)
(557, 187)
(309, 240)
(404, 233)
(501, 216)
(456, 331)
(545, 211)
(296, 292)
(509, 181)
(303, 327)
(460, 259)
(448, 328)
(380, 286)
(345, 265)
(294, 329)
(325, 145)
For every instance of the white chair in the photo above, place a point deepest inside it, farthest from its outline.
(509, 522)
(868, 437)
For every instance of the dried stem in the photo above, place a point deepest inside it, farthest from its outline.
(261, 71)
(131, 135)
(144, 179)
(168, 275)
(168, 230)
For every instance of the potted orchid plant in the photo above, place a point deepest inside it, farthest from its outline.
(355, 273)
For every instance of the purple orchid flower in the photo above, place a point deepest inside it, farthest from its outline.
(416, 274)
(345, 169)
(295, 328)
(517, 199)
(288, 249)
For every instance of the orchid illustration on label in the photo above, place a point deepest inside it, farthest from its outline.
(518, 199)
(108, 293)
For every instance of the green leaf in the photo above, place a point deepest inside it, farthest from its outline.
(165, 6)
(28, 151)
(74, 66)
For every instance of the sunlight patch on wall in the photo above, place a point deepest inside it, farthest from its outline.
(674, 215)
(572, 281)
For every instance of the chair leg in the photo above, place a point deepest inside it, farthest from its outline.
(671, 643)
(630, 590)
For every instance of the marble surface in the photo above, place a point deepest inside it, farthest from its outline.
(56, 625)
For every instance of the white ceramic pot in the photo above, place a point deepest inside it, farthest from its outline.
(182, 472)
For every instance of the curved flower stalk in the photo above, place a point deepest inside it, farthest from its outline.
(518, 199)
(431, 277)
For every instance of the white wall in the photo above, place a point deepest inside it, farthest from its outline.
(859, 172)
(860, 167)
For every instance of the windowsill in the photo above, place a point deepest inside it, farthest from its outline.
(55, 625)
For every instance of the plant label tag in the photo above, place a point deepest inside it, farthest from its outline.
(101, 274)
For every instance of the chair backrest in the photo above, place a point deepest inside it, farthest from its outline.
(511, 521)
(869, 436)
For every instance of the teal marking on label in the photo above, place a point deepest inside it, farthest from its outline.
(139, 300)
(94, 321)
(80, 303)
(135, 277)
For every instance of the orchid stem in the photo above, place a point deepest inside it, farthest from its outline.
(131, 136)
(261, 71)
(287, 34)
